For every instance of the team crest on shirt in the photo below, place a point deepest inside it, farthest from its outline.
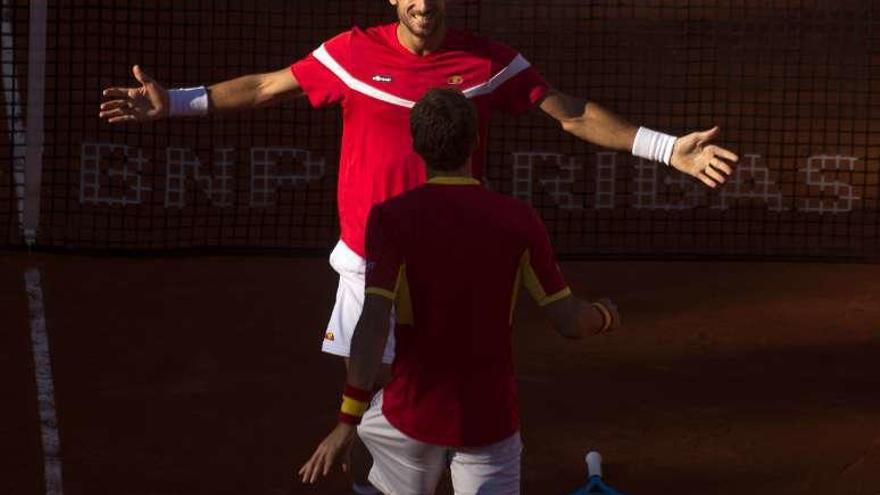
(455, 80)
(382, 78)
(329, 336)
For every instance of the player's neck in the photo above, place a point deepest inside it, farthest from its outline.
(421, 46)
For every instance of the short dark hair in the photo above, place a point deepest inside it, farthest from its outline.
(444, 128)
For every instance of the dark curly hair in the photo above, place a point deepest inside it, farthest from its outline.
(444, 129)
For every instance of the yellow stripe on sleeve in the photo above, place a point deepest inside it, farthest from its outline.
(378, 291)
(403, 306)
(555, 297)
(530, 279)
(515, 293)
(533, 284)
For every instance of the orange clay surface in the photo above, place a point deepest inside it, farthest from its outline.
(204, 376)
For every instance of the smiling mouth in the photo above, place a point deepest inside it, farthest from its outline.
(424, 17)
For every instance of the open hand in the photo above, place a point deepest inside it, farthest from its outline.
(336, 445)
(146, 103)
(693, 155)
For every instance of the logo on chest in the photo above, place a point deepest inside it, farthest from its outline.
(455, 80)
(382, 78)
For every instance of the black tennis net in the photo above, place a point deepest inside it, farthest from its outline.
(790, 83)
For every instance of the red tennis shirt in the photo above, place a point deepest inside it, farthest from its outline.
(452, 256)
(377, 81)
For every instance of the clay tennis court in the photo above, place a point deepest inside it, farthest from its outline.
(204, 375)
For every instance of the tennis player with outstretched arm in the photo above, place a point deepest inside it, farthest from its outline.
(450, 256)
(376, 75)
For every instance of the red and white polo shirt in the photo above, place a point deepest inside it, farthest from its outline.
(377, 81)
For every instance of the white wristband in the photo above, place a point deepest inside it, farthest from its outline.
(188, 102)
(653, 145)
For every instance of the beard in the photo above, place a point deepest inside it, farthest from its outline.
(422, 26)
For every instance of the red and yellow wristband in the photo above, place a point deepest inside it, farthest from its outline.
(355, 402)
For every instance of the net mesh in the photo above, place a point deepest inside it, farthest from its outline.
(13, 50)
(789, 82)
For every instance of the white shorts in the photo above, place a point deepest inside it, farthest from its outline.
(405, 466)
(349, 303)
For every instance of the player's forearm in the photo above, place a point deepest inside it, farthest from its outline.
(251, 91)
(602, 127)
(241, 93)
(589, 121)
(368, 344)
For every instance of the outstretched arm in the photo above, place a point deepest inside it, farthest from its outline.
(254, 91)
(589, 121)
(151, 101)
(692, 154)
(367, 347)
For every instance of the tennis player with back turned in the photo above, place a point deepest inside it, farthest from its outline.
(450, 256)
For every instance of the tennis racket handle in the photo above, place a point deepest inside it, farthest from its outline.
(594, 463)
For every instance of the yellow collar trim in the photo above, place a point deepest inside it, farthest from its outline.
(447, 180)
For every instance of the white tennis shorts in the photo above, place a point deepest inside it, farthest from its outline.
(349, 303)
(405, 466)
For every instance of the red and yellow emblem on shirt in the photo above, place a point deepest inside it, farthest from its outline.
(455, 80)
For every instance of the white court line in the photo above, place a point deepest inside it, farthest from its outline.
(45, 387)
